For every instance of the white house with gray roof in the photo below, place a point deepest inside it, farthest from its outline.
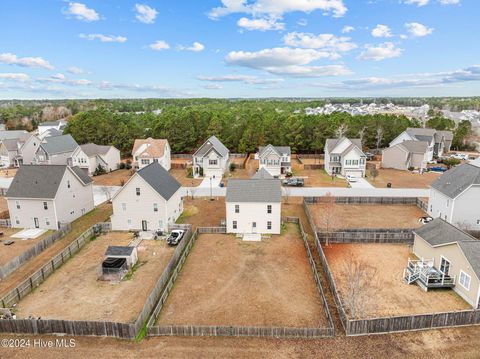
(345, 157)
(405, 155)
(455, 197)
(211, 159)
(439, 142)
(51, 125)
(150, 200)
(254, 206)
(453, 254)
(11, 143)
(107, 157)
(276, 160)
(61, 150)
(43, 196)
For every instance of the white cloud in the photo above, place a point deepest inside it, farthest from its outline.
(416, 29)
(347, 29)
(241, 78)
(287, 61)
(60, 78)
(382, 31)
(278, 7)
(14, 76)
(75, 70)
(417, 2)
(302, 22)
(320, 41)
(12, 59)
(145, 13)
(103, 38)
(449, 2)
(263, 24)
(195, 47)
(380, 52)
(213, 87)
(159, 45)
(81, 12)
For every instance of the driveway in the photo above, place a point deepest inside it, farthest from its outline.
(361, 183)
(215, 182)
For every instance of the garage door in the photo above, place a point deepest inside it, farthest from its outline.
(213, 173)
(353, 173)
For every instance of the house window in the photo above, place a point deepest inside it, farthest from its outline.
(269, 225)
(478, 221)
(464, 280)
(17, 220)
(45, 205)
(160, 224)
(362, 161)
(47, 221)
(68, 184)
(234, 224)
(129, 223)
(155, 207)
(348, 162)
(254, 224)
(269, 208)
(17, 204)
(237, 208)
(145, 161)
(212, 162)
(137, 190)
(444, 266)
(124, 207)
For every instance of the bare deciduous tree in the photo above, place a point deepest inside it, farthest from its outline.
(328, 217)
(374, 173)
(361, 135)
(361, 281)
(341, 130)
(379, 137)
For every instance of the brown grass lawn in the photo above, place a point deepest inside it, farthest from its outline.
(8, 172)
(319, 178)
(402, 179)
(114, 178)
(226, 281)
(7, 253)
(369, 216)
(100, 214)
(201, 212)
(78, 293)
(181, 176)
(390, 295)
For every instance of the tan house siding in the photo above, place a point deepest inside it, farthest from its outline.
(395, 157)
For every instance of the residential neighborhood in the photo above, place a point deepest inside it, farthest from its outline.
(211, 160)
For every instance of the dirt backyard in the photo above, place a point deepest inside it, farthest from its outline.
(366, 216)
(75, 286)
(181, 176)
(319, 178)
(9, 252)
(115, 178)
(100, 214)
(402, 179)
(386, 292)
(201, 212)
(226, 281)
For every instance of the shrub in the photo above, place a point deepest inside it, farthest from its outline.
(450, 162)
(99, 171)
(122, 165)
(411, 168)
(189, 171)
(233, 167)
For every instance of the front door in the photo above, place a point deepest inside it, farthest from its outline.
(144, 226)
(444, 266)
(254, 227)
(37, 224)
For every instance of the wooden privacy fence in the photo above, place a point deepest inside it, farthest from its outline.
(364, 200)
(5, 222)
(237, 331)
(212, 230)
(368, 235)
(313, 167)
(33, 251)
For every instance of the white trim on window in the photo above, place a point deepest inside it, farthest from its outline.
(465, 280)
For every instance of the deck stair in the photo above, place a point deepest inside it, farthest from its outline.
(425, 275)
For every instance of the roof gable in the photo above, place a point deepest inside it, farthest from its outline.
(254, 190)
(152, 146)
(212, 142)
(59, 144)
(456, 180)
(160, 180)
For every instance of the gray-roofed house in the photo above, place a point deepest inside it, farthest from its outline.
(51, 125)
(345, 157)
(275, 159)
(439, 142)
(211, 159)
(262, 173)
(455, 197)
(451, 254)
(150, 200)
(405, 155)
(61, 150)
(43, 196)
(254, 206)
(11, 143)
(107, 157)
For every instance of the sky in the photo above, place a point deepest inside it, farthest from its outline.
(238, 48)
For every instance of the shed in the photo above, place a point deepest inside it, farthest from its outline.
(129, 254)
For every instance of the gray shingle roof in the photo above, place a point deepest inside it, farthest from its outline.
(279, 149)
(11, 144)
(91, 149)
(422, 134)
(333, 142)
(448, 135)
(119, 251)
(40, 181)
(438, 232)
(59, 144)
(254, 190)
(471, 250)
(414, 146)
(160, 180)
(456, 180)
(81, 174)
(13, 134)
(262, 173)
(212, 142)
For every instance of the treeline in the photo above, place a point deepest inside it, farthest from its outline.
(241, 126)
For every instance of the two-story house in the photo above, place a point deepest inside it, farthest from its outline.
(51, 125)
(211, 159)
(455, 197)
(44, 196)
(146, 151)
(61, 150)
(107, 157)
(276, 160)
(439, 142)
(405, 155)
(150, 200)
(10, 147)
(254, 206)
(345, 157)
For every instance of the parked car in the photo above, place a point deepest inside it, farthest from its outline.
(459, 156)
(175, 237)
(370, 156)
(425, 219)
(294, 182)
(438, 169)
(351, 178)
